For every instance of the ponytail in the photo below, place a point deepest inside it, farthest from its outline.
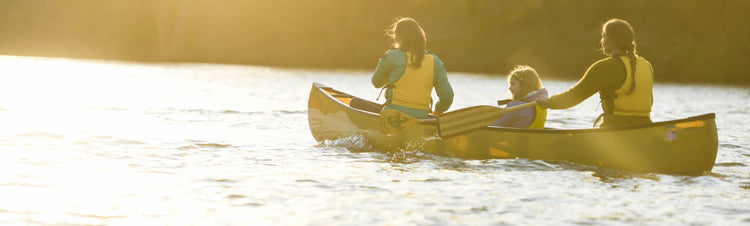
(633, 58)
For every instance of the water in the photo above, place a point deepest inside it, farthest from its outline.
(114, 143)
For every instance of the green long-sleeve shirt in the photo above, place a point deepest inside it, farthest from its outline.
(393, 65)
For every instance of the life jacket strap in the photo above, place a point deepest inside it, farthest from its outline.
(599, 119)
(387, 86)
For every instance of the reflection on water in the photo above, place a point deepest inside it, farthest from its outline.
(113, 143)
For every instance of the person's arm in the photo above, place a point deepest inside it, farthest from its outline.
(599, 76)
(387, 65)
(442, 87)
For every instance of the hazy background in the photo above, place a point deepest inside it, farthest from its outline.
(686, 40)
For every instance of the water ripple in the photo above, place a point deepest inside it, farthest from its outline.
(731, 146)
(218, 111)
(42, 135)
(199, 145)
(306, 181)
(729, 164)
(293, 111)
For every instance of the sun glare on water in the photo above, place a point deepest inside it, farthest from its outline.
(45, 84)
(49, 111)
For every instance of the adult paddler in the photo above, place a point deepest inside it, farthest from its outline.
(623, 80)
(408, 73)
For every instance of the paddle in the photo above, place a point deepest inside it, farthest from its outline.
(471, 118)
(450, 123)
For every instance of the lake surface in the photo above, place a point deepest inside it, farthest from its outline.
(115, 143)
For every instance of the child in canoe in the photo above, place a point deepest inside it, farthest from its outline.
(525, 86)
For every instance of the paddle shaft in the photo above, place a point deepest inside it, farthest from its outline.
(471, 118)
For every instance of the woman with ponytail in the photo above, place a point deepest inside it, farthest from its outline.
(623, 80)
(408, 73)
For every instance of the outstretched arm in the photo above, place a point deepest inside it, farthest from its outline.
(604, 74)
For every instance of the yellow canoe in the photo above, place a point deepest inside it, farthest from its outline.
(684, 146)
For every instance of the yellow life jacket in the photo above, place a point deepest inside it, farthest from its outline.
(539, 119)
(639, 102)
(414, 88)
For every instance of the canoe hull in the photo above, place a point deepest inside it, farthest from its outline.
(685, 146)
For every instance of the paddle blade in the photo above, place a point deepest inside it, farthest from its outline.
(467, 119)
(393, 122)
(471, 118)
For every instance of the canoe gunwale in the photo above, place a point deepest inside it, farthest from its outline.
(322, 89)
(703, 117)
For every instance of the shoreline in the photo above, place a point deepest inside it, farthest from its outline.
(708, 81)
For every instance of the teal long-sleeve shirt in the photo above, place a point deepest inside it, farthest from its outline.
(393, 65)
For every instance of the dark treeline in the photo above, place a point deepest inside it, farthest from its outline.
(686, 40)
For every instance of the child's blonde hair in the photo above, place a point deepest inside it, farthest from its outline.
(527, 78)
